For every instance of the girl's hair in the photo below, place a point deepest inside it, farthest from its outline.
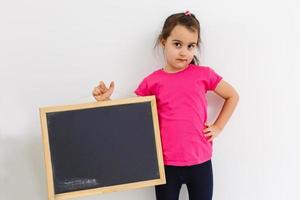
(187, 20)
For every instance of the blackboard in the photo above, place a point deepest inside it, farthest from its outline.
(100, 147)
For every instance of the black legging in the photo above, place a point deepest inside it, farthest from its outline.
(198, 179)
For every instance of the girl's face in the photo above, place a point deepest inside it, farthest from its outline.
(179, 48)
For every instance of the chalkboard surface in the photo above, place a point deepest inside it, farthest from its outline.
(102, 146)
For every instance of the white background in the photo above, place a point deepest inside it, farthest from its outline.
(55, 52)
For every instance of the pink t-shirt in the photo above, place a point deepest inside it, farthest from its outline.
(182, 112)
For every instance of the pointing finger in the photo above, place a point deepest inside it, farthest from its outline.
(112, 85)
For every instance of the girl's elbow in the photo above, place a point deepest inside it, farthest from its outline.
(236, 96)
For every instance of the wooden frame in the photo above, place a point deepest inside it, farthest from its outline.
(47, 154)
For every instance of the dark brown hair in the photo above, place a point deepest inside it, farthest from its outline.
(187, 20)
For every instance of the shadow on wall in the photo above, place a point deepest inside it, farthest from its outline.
(214, 103)
(22, 170)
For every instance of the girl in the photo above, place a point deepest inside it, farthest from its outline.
(180, 88)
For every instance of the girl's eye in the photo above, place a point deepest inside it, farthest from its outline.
(191, 46)
(177, 44)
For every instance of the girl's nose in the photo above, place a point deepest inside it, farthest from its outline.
(183, 52)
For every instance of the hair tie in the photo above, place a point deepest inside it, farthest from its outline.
(187, 13)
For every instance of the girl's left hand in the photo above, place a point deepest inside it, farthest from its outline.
(211, 132)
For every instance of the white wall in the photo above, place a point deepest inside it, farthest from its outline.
(55, 52)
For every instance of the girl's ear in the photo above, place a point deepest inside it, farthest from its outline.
(163, 42)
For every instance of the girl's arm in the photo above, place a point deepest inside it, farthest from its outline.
(231, 97)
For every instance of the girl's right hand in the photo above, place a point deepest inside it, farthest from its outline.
(102, 93)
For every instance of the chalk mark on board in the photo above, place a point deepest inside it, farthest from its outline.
(78, 183)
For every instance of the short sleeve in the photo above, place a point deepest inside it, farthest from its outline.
(213, 79)
(142, 89)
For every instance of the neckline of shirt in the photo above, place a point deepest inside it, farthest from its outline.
(174, 73)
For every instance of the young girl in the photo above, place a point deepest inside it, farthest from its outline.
(180, 88)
